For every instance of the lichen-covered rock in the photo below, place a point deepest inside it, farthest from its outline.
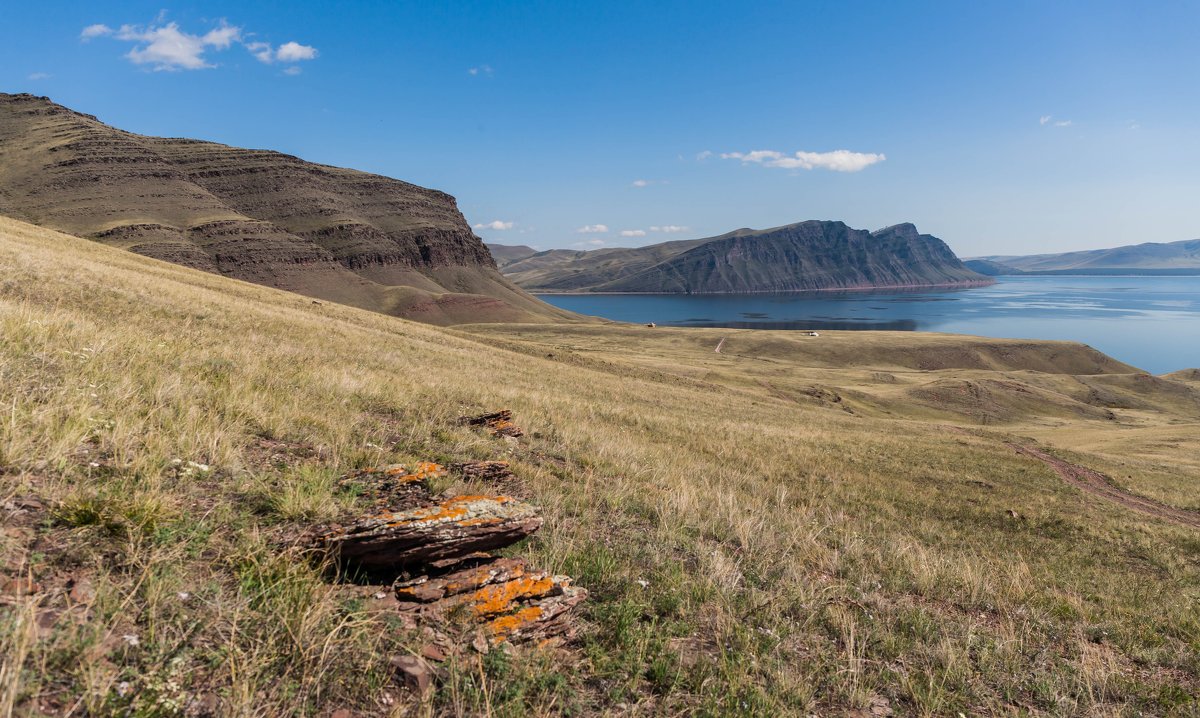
(396, 486)
(499, 423)
(452, 528)
(502, 596)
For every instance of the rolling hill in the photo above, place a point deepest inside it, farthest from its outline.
(860, 523)
(805, 256)
(256, 215)
(1181, 257)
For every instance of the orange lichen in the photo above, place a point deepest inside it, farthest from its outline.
(491, 600)
(428, 469)
(504, 626)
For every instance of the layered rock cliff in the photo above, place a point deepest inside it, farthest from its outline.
(256, 215)
(805, 256)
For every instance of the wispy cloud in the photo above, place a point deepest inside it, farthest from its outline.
(837, 160)
(592, 229)
(484, 70)
(497, 224)
(669, 229)
(641, 183)
(701, 156)
(633, 233)
(97, 30)
(39, 76)
(1046, 120)
(165, 46)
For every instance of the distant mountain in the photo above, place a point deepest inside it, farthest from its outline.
(811, 255)
(507, 254)
(1150, 258)
(261, 216)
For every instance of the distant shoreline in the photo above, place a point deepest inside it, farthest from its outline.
(856, 288)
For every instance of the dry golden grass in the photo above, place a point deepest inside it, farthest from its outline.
(796, 557)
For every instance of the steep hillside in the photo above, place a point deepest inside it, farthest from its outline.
(1175, 256)
(805, 256)
(255, 215)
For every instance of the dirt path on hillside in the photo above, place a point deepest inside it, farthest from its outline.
(719, 345)
(1097, 484)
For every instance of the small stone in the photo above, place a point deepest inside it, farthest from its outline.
(414, 673)
(433, 652)
(82, 591)
(480, 643)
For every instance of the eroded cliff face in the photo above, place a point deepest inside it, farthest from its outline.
(805, 256)
(256, 215)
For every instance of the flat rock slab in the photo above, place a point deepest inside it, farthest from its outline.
(501, 597)
(449, 529)
(499, 423)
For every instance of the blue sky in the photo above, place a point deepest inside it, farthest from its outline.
(1002, 127)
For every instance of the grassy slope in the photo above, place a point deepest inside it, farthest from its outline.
(797, 557)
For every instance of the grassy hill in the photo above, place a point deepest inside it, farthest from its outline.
(804, 256)
(833, 525)
(266, 217)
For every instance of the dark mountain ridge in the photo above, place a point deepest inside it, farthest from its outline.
(806, 256)
(256, 215)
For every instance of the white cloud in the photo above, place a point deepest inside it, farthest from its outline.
(485, 70)
(495, 224)
(704, 155)
(592, 229)
(669, 229)
(167, 47)
(39, 76)
(590, 243)
(262, 50)
(288, 52)
(295, 52)
(837, 160)
(97, 30)
(641, 183)
(1045, 120)
(633, 233)
(293, 70)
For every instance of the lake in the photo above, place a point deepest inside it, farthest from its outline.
(1150, 322)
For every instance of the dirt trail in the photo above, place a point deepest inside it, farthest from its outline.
(1097, 484)
(719, 345)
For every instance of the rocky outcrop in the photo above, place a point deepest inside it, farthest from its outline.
(256, 215)
(806, 256)
(450, 529)
(449, 585)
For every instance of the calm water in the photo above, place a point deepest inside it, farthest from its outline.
(1150, 322)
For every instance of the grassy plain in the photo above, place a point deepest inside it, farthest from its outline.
(822, 525)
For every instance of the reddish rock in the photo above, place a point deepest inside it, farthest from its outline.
(452, 528)
(503, 597)
(414, 672)
(499, 423)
